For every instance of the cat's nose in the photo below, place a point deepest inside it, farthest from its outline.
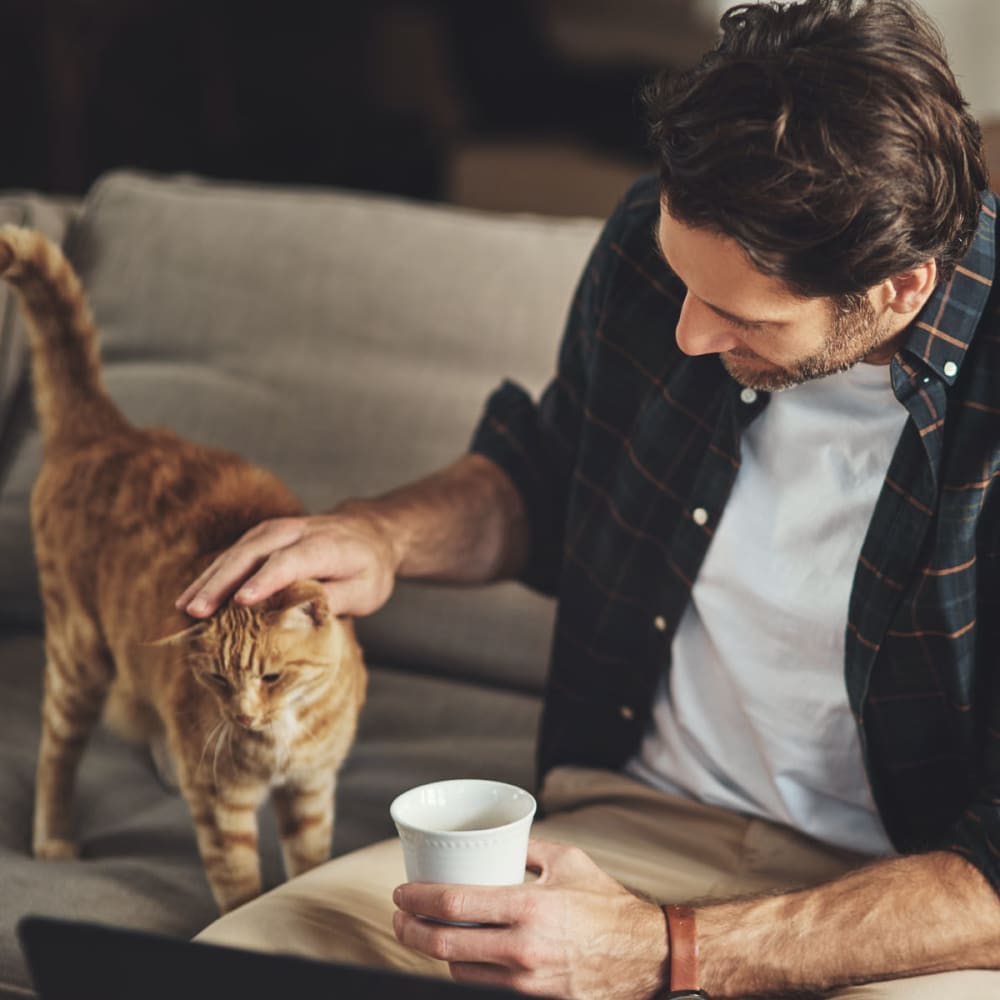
(246, 721)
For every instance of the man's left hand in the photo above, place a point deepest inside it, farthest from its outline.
(574, 932)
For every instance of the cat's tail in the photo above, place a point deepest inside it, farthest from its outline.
(73, 406)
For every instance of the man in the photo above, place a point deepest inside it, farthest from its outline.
(761, 487)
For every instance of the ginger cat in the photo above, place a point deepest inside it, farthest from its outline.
(251, 701)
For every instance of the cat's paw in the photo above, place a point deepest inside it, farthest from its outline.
(54, 849)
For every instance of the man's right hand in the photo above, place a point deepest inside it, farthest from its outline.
(349, 551)
(465, 524)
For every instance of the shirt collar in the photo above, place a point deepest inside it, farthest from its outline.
(943, 329)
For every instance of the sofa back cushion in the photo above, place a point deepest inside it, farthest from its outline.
(345, 341)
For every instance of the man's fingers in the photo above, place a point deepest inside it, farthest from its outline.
(488, 945)
(256, 582)
(219, 581)
(227, 572)
(277, 553)
(303, 561)
(203, 580)
(279, 569)
(185, 599)
(501, 905)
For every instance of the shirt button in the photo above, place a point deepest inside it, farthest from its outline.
(700, 516)
(950, 369)
(749, 396)
(660, 623)
(627, 712)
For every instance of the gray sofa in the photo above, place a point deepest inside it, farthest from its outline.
(348, 343)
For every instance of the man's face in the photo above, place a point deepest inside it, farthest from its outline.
(766, 336)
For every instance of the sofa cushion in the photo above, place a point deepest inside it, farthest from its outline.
(347, 342)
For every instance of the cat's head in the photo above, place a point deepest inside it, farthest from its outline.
(262, 662)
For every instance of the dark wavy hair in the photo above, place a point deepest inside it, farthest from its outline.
(828, 138)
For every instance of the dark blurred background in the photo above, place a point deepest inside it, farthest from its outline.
(518, 104)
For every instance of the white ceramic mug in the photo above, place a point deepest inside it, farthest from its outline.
(468, 831)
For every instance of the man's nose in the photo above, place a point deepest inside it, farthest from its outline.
(701, 331)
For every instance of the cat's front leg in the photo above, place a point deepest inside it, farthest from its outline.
(225, 822)
(305, 821)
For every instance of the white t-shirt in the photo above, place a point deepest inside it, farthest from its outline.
(755, 716)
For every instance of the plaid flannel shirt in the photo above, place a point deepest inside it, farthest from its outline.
(632, 437)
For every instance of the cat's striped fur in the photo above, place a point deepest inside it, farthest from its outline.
(249, 703)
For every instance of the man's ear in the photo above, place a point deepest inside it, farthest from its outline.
(907, 291)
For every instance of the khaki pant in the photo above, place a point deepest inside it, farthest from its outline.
(667, 847)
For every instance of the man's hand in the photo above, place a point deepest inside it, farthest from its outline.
(575, 932)
(349, 551)
(464, 524)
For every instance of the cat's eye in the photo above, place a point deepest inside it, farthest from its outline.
(220, 681)
(271, 678)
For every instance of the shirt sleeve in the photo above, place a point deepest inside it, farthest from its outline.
(976, 835)
(537, 444)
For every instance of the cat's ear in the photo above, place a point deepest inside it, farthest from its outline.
(183, 637)
(309, 614)
(300, 606)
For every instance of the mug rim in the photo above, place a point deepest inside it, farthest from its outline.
(461, 834)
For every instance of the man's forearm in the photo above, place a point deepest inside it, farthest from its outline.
(898, 917)
(464, 524)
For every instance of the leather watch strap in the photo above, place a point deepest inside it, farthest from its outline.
(683, 941)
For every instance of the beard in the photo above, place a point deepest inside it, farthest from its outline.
(855, 332)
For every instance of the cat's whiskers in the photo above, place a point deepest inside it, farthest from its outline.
(208, 740)
(229, 745)
(223, 733)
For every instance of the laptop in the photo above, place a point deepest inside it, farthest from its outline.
(78, 960)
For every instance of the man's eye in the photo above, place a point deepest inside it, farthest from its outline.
(271, 678)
